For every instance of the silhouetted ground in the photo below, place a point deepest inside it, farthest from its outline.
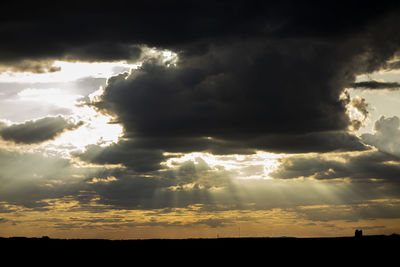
(249, 251)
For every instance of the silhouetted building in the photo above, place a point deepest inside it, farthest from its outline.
(358, 233)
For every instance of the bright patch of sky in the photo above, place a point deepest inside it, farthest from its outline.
(380, 102)
(27, 96)
(69, 71)
(254, 166)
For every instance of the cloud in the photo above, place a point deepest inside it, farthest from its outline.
(310, 142)
(279, 92)
(381, 164)
(368, 210)
(215, 222)
(186, 183)
(17, 108)
(357, 109)
(235, 99)
(112, 32)
(394, 65)
(387, 135)
(32, 177)
(245, 74)
(249, 76)
(41, 130)
(367, 166)
(127, 153)
(30, 66)
(36, 182)
(375, 85)
(86, 38)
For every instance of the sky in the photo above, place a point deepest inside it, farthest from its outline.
(199, 119)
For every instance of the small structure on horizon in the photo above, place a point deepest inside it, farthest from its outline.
(358, 233)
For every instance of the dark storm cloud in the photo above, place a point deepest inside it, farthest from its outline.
(278, 89)
(86, 31)
(234, 90)
(64, 31)
(375, 85)
(37, 131)
(247, 95)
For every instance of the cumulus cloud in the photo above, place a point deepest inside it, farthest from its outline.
(37, 131)
(236, 96)
(387, 135)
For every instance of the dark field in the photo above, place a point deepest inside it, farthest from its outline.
(381, 250)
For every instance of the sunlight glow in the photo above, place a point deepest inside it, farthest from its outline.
(254, 166)
(68, 71)
(54, 96)
(97, 129)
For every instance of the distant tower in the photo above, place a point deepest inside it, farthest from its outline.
(358, 233)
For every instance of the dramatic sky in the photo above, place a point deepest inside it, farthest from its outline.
(177, 119)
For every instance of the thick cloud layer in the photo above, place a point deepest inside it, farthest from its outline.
(36, 131)
(89, 31)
